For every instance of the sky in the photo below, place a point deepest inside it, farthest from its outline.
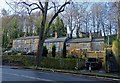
(4, 5)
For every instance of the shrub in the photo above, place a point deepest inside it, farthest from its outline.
(27, 61)
(54, 63)
(53, 50)
(71, 56)
(64, 51)
(62, 63)
(115, 49)
(45, 51)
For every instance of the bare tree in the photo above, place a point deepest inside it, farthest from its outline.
(118, 36)
(96, 8)
(81, 17)
(43, 7)
(117, 6)
(70, 17)
(102, 20)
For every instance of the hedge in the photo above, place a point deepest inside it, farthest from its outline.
(54, 63)
(27, 61)
(116, 51)
(62, 63)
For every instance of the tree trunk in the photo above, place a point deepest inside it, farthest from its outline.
(93, 23)
(118, 35)
(98, 26)
(110, 28)
(77, 33)
(71, 34)
(103, 28)
(39, 53)
(86, 27)
(41, 36)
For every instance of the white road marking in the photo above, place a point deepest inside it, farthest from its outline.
(41, 79)
(116, 79)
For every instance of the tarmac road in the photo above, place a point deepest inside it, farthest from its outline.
(29, 75)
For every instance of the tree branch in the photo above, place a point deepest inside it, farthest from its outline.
(29, 5)
(61, 9)
(32, 10)
(41, 5)
(13, 8)
(50, 7)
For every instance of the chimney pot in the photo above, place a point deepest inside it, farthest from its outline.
(90, 35)
(56, 36)
(24, 34)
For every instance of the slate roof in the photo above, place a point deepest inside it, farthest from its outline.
(29, 37)
(82, 40)
(62, 39)
(98, 39)
(78, 40)
(50, 40)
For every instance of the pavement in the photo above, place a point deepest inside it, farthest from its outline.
(96, 74)
(16, 74)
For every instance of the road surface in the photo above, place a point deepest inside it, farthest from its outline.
(26, 75)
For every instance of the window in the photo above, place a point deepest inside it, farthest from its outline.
(97, 46)
(67, 45)
(33, 40)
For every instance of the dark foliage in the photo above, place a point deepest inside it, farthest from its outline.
(45, 51)
(64, 51)
(53, 51)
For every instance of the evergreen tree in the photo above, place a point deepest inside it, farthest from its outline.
(52, 31)
(14, 28)
(60, 28)
(53, 50)
(45, 51)
(38, 24)
(64, 50)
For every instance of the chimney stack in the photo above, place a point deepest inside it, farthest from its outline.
(24, 34)
(90, 35)
(81, 34)
(56, 35)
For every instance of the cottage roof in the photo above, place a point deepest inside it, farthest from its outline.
(29, 37)
(62, 39)
(50, 40)
(78, 40)
(98, 39)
